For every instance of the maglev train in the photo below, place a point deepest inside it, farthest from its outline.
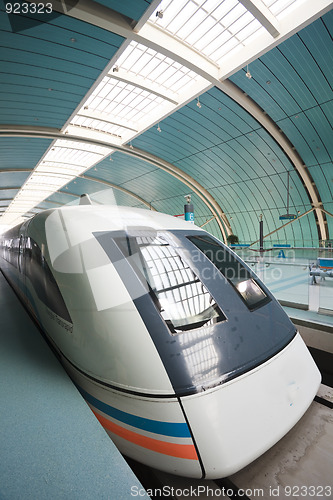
(182, 353)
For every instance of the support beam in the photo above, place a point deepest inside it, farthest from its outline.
(281, 227)
(162, 42)
(207, 221)
(125, 76)
(303, 15)
(103, 117)
(159, 40)
(259, 10)
(196, 187)
(249, 105)
(119, 188)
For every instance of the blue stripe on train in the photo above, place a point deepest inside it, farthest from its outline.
(158, 427)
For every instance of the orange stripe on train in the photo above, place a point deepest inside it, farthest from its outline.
(174, 450)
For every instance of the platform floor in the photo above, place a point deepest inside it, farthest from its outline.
(290, 281)
(52, 446)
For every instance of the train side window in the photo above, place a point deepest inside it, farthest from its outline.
(233, 270)
(43, 281)
(181, 298)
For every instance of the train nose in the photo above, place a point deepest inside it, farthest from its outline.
(235, 423)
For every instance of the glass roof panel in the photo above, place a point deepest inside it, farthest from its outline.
(64, 161)
(204, 25)
(280, 8)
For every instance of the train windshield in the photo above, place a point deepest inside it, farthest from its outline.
(233, 270)
(183, 301)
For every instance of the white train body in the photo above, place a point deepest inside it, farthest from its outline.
(181, 352)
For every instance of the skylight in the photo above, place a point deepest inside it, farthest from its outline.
(212, 27)
(142, 87)
(210, 40)
(63, 162)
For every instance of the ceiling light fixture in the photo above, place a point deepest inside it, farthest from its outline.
(248, 74)
(198, 103)
(159, 128)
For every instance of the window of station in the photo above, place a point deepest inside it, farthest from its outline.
(181, 298)
(233, 270)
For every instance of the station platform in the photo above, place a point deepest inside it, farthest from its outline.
(52, 446)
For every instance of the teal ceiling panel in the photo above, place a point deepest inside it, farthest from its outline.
(227, 111)
(44, 205)
(130, 8)
(24, 117)
(80, 186)
(63, 44)
(245, 172)
(293, 85)
(31, 102)
(219, 167)
(158, 143)
(60, 198)
(182, 137)
(323, 177)
(121, 169)
(193, 117)
(223, 129)
(274, 153)
(300, 96)
(327, 170)
(265, 87)
(231, 159)
(271, 156)
(309, 54)
(296, 190)
(21, 152)
(321, 133)
(17, 61)
(12, 179)
(292, 130)
(203, 168)
(274, 96)
(302, 78)
(327, 109)
(253, 155)
(307, 129)
(306, 124)
(7, 194)
(56, 58)
(275, 190)
(229, 168)
(160, 187)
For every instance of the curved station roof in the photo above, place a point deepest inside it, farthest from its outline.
(142, 103)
